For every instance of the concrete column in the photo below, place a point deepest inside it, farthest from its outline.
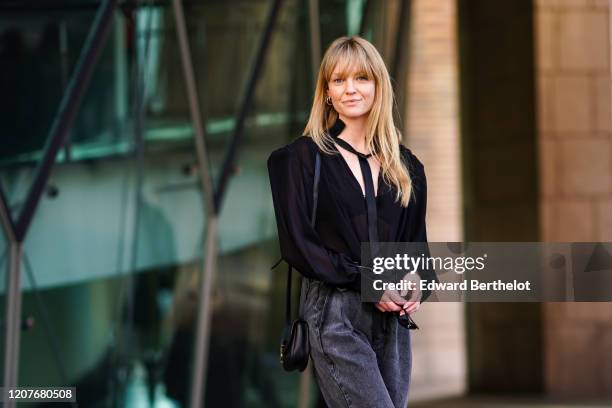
(575, 174)
(431, 124)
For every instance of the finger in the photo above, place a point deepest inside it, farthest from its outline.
(411, 307)
(379, 307)
(388, 302)
(392, 307)
(410, 303)
(384, 305)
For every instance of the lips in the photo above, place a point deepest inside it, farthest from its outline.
(352, 101)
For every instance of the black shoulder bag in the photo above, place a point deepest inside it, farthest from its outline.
(294, 347)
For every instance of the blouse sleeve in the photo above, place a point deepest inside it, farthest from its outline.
(416, 230)
(300, 245)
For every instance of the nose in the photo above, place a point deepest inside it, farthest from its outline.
(350, 88)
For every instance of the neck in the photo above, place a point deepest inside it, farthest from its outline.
(354, 132)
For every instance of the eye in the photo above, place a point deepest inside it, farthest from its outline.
(362, 77)
(337, 80)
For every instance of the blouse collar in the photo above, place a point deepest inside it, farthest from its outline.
(335, 131)
(337, 128)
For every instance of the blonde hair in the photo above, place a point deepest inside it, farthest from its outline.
(382, 137)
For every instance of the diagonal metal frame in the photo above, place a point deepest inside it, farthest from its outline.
(13, 319)
(200, 352)
(253, 78)
(16, 232)
(5, 217)
(13, 297)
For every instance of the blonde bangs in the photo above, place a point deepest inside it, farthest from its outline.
(347, 59)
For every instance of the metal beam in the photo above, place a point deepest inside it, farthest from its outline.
(204, 315)
(254, 75)
(202, 340)
(67, 111)
(13, 321)
(194, 108)
(315, 38)
(5, 218)
(13, 299)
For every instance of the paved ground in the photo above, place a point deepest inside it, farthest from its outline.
(509, 402)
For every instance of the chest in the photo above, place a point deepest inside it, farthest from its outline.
(341, 202)
(354, 169)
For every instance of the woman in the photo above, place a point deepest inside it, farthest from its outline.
(371, 189)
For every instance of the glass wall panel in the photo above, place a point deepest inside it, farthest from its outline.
(105, 247)
(114, 254)
(39, 51)
(127, 226)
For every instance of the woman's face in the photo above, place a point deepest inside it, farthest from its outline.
(352, 95)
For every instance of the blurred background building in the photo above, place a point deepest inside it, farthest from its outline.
(106, 267)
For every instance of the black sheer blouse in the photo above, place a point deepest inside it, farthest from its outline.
(331, 252)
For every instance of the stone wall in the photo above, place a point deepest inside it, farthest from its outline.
(575, 158)
(431, 124)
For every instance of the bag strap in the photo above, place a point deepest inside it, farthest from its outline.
(313, 218)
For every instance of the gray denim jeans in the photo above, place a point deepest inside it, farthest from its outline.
(361, 356)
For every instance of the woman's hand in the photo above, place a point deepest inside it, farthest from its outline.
(414, 302)
(391, 301)
(410, 307)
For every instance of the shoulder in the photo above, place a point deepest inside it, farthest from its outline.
(301, 150)
(411, 160)
(416, 170)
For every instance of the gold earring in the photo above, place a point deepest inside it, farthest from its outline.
(328, 101)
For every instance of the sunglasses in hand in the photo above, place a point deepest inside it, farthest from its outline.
(406, 321)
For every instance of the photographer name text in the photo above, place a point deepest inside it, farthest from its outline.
(472, 285)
